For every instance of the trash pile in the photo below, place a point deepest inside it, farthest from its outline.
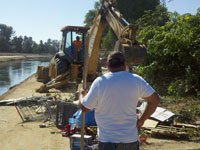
(162, 124)
(35, 108)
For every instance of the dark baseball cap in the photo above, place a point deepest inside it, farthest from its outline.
(115, 59)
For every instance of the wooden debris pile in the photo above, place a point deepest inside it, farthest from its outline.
(174, 130)
(162, 124)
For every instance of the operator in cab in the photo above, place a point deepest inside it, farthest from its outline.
(77, 45)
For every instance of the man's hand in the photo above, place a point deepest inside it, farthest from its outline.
(82, 93)
(152, 103)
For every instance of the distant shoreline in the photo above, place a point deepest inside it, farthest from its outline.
(4, 57)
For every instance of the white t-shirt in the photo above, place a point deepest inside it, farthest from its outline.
(114, 97)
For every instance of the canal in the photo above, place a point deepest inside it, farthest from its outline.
(14, 72)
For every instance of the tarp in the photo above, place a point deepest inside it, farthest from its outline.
(89, 119)
(160, 114)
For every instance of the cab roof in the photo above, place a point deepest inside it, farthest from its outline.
(75, 28)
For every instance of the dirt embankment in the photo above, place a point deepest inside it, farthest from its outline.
(20, 56)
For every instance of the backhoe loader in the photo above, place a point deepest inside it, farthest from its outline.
(64, 65)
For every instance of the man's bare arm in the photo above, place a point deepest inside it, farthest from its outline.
(152, 103)
(83, 108)
(81, 95)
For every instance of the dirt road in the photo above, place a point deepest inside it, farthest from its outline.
(28, 136)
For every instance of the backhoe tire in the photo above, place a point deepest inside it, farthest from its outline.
(62, 66)
(46, 77)
(42, 74)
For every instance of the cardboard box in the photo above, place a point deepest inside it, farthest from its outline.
(75, 141)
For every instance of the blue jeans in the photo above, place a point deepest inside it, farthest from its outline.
(119, 146)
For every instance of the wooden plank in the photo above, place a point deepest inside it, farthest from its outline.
(185, 125)
(57, 84)
(150, 123)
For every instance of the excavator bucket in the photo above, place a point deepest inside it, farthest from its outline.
(134, 54)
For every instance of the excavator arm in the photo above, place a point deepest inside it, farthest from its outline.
(126, 33)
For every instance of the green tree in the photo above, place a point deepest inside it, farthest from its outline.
(157, 17)
(173, 61)
(16, 44)
(35, 46)
(55, 46)
(108, 41)
(24, 44)
(134, 9)
(6, 32)
(52, 46)
(41, 47)
(91, 14)
(28, 44)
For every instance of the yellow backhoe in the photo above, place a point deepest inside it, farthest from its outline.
(66, 65)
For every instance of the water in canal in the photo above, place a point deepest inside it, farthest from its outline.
(14, 72)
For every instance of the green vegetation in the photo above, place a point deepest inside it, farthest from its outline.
(89, 17)
(173, 62)
(9, 43)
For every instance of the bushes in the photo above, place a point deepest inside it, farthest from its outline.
(173, 62)
(189, 114)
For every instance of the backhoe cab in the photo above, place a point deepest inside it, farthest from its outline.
(70, 57)
(68, 44)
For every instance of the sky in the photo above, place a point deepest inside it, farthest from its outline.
(43, 19)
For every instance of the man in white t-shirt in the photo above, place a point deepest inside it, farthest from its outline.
(114, 96)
